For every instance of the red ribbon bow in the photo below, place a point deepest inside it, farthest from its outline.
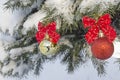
(50, 29)
(102, 24)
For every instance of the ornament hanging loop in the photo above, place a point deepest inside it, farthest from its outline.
(101, 34)
(47, 36)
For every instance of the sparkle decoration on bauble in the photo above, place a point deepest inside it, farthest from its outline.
(47, 38)
(101, 46)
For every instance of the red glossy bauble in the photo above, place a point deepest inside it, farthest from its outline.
(102, 48)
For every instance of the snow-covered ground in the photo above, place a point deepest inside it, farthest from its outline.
(55, 70)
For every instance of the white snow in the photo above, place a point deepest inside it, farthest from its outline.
(8, 18)
(64, 41)
(104, 4)
(25, 2)
(14, 53)
(8, 21)
(4, 40)
(33, 20)
(63, 7)
(6, 68)
(116, 53)
(3, 55)
(20, 69)
(35, 57)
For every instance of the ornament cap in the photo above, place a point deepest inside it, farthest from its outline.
(101, 33)
(47, 37)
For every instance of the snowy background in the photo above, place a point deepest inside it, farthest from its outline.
(55, 70)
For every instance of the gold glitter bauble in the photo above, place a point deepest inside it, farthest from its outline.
(48, 48)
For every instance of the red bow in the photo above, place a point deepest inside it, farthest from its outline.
(103, 24)
(50, 30)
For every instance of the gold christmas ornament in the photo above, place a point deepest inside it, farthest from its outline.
(48, 48)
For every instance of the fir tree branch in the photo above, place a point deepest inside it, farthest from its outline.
(38, 67)
(74, 57)
(16, 52)
(17, 4)
(116, 17)
(118, 61)
(99, 66)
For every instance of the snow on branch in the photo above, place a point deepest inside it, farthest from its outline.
(9, 67)
(91, 4)
(4, 40)
(21, 69)
(15, 4)
(63, 7)
(33, 20)
(14, 53)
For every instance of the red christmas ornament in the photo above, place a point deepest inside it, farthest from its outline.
(102, 48)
